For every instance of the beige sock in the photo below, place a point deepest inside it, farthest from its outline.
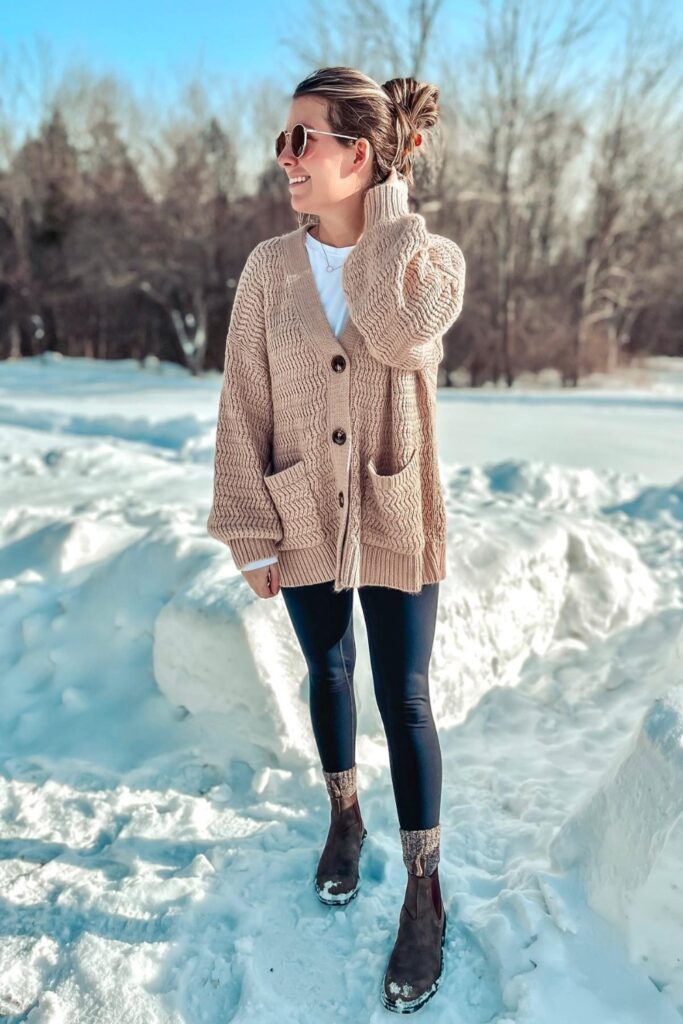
(421, 849)
(341, 783)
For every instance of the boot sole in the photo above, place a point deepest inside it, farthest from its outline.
(409, 1006)
(342, 898)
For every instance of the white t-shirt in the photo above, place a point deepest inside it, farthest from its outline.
(329, 284)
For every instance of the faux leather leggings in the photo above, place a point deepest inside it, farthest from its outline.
(400, 628)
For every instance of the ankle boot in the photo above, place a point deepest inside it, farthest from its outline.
(416, 962)
(337, 878)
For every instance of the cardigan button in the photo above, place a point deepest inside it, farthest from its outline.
(338, 364)
(339, 436)
(341, 498)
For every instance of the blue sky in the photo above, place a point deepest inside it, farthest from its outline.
(134, 36)
(160, 42)
(156, 46)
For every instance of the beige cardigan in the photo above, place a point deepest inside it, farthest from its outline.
(326, 447)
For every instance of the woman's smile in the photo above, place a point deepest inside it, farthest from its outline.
(296, 182)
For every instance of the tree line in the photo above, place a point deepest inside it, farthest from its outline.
(556, 167)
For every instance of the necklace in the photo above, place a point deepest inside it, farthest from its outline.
(330, 267)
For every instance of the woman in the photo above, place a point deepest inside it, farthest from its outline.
(326, 474)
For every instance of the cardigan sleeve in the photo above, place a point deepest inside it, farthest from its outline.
(404, 285)
(242, 514)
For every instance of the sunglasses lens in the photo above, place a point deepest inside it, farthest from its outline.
(298, 140)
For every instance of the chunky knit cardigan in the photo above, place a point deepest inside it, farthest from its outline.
(329, 283)
(326, 448)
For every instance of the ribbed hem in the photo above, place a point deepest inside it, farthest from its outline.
(386, 201)
(300, 566)
(341, 783)
(249, 549)
(365, 565)
(421, 849)
(382, 567)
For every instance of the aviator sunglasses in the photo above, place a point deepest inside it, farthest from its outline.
(300, 135)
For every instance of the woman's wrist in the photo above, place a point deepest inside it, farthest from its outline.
(387, 200)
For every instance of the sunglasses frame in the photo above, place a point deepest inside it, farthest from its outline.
(307, 132)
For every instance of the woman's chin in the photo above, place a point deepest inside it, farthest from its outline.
(303, 211)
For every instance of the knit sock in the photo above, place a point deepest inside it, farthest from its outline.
(421, 849)
(341, 783)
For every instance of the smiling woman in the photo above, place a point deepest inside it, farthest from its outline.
(327, 472)
(307, 141)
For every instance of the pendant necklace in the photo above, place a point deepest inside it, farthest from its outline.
(329, 266)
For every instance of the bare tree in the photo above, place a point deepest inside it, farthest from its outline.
(525, 56)
(636, 184)
(195, 210)
(373, 34)
(124, 224)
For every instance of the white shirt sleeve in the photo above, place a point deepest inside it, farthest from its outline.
(258, 563)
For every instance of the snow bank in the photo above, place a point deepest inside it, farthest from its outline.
(626, 841)
(230, 658)
(517, 582)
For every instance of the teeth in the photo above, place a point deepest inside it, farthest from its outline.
(304, 177)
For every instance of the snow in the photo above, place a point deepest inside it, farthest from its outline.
(617, 840)
(161, 799)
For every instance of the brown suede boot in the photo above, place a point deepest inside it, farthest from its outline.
(416, 962)
(337, 878)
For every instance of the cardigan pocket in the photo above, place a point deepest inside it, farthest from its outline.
(392, 507)
(293, 497)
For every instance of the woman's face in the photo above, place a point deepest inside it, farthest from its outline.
(335, 168)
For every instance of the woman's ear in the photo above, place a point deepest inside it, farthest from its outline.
(364, 153)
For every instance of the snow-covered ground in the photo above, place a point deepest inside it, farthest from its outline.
(162, 807)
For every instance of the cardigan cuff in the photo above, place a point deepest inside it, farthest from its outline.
(249, 549)
(386, 201)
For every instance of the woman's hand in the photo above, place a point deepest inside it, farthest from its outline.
(265, 582)
(392, 178)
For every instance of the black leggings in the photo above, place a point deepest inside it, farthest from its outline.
(400, 628)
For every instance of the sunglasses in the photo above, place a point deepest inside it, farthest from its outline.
(299, 134)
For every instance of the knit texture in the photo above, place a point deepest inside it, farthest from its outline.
(326, 452)
(421, 849)
(341, 783)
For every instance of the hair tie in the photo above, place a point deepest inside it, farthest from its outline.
(418, 140)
